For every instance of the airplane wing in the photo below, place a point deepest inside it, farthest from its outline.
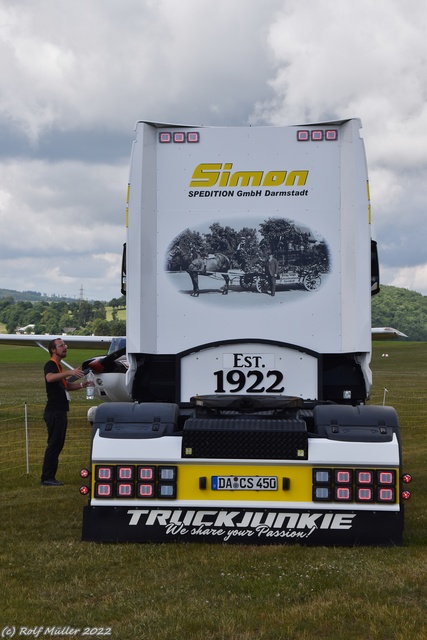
(98, 342)
(386, 333)
(110, 381)
(76, 342)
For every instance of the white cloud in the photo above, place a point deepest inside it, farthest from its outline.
(76, 75)
(342, 59)
(413, 278)
(62, 223)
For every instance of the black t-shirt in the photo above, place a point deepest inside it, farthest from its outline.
(56, 396)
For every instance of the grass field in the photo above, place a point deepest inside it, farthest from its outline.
(121, 313)
(51, 579)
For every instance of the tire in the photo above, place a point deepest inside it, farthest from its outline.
(246, 282)
(311, 282)
(261, 284)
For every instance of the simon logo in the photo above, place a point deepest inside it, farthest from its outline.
(221, 175)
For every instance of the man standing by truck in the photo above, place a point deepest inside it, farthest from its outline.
(57, 406)
(272, 271)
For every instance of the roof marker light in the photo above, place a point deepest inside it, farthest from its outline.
(331, 134)
(317, 135)
(165, 136)
(303, 135)
(179, 136)
(193, 136)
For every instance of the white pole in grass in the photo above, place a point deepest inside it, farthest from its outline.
(385, 395)
(26, 438)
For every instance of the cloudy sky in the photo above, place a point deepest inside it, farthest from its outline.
(75, 76)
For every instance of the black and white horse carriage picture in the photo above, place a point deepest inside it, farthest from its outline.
(244, 263)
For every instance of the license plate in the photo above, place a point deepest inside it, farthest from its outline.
(244, 483)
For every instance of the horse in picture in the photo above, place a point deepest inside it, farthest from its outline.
(210, 266)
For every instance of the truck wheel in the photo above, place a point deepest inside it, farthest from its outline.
(261, 284)
(311, 282)
(246, 282)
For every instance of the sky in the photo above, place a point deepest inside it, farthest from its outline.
(76, 75)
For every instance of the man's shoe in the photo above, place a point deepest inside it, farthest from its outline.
(51, 483)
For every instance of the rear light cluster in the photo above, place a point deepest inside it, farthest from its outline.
(356, 485)
(134, 481)
(317, 135)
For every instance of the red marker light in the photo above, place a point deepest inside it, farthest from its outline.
(386, 494)
(124, 490)
(343, 476)
(103, 490)
(364, 494)
(386, 477)
(317, 135)
(145, 490)
(104, 474)
(84, 490)
(125, 473)
(331, 134)
(364, 477)
(146, 474)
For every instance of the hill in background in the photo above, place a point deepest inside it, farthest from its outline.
(33, 296)
(402, 309)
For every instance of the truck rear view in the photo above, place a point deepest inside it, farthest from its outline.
(249, 274)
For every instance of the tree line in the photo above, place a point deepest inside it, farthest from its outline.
(78, 318)
(393, 307)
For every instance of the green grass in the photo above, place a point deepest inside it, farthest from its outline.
(195, 591)
(121, 313)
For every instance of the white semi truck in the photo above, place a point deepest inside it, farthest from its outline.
(248, 270)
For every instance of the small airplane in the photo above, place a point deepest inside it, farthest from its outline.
(111, 385)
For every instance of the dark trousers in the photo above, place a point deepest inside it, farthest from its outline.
(56, 423)
(272, 284)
